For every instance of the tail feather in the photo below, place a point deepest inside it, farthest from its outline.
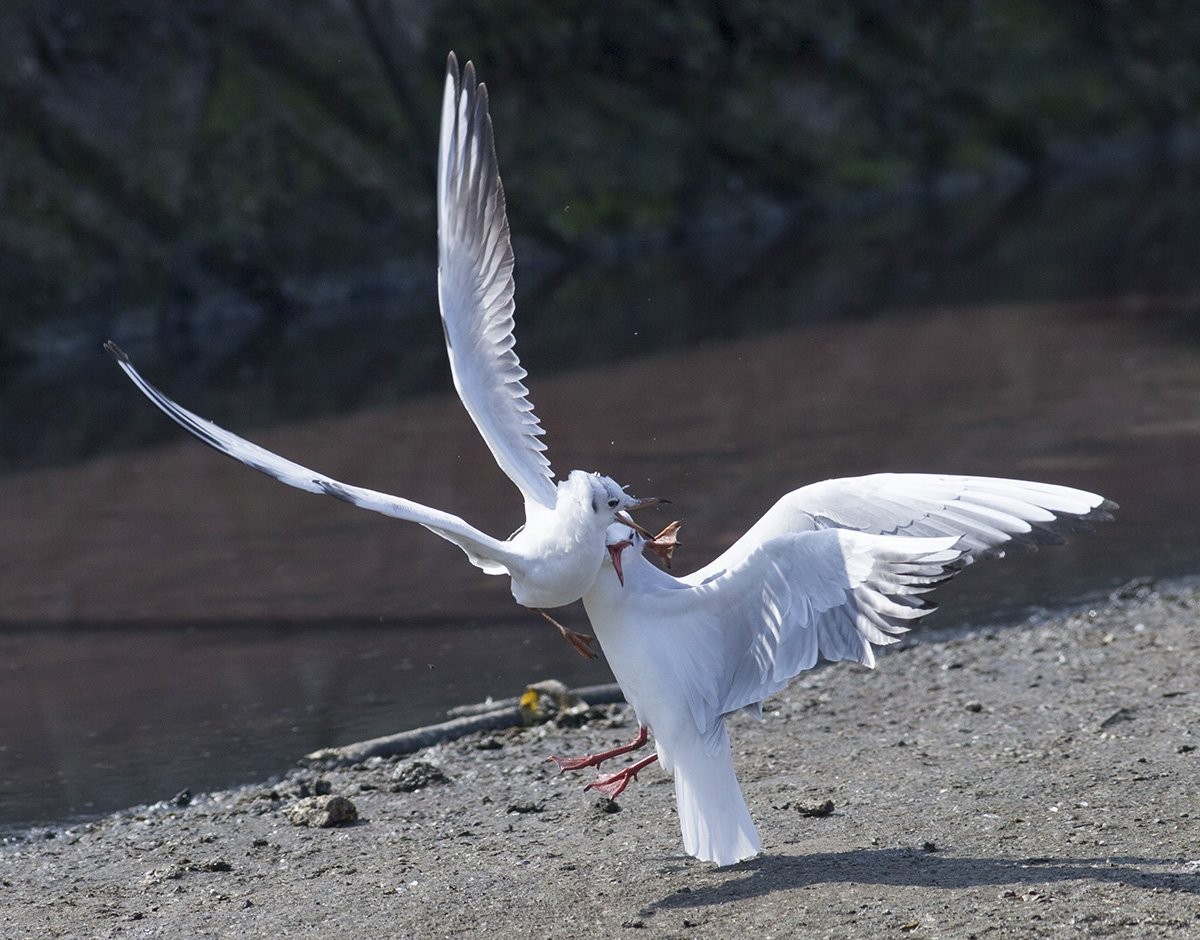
(713, 814)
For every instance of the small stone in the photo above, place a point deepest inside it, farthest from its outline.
(490, 743)
(182, 798)
(817, 810)
(318, 787)
(322, 812)
(973, 707)
(214, 865)
(416, 776)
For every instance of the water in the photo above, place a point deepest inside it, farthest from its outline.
(173, 620)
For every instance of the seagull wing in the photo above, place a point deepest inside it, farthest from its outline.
(831, 594)
(475, 288)
(985, 513)
(484, 551)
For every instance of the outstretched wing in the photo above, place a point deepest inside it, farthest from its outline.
(796, 598)
(475, 288)
(985, 513)
(484, 551)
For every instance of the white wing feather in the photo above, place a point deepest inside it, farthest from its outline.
(799, 597)
(985, 513)
(475, 289)
(484, 551)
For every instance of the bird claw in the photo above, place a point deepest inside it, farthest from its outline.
(572, 763)
(664, 544)
(611, 786)
(580, 642)
(614, 785)
(595, 760)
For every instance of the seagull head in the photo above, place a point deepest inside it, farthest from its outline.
(617, 538)
(603, 497)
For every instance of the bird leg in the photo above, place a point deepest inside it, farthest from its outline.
(665, 543)
(595, 760)
(614, 785)
(581, 642)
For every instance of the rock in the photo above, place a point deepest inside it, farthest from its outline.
(1135, 589)
(416, 776)
(322, 812)
(318, 787)
(823, 808)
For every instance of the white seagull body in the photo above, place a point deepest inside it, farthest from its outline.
(556, 554)
(830, 570)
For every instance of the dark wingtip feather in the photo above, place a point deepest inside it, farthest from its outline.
(115, 351)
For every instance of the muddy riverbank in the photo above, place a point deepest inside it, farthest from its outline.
(1037, 780)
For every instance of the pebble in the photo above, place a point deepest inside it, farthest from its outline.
(322, 812)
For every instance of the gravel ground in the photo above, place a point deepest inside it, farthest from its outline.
(1036, 780)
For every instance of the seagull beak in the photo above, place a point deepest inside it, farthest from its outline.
(648, 501)
(641, 530)
(614, 552)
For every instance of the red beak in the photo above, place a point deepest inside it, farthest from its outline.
(614, 552)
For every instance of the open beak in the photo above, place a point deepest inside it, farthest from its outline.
(614, 552)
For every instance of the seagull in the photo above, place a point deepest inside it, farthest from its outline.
(831, 570)
(555, 555)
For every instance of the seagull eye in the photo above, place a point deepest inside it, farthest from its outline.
(612, 504)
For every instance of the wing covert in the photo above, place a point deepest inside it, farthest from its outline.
(830, 594)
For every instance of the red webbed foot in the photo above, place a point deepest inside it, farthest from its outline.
(664, 544)
(614, 785)
(595, 760)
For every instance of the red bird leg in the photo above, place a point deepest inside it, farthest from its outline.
(595, 760)
(614, 785)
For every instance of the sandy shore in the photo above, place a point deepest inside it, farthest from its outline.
(1028, 781)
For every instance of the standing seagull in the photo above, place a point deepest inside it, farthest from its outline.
(553, 558)
(829, 570)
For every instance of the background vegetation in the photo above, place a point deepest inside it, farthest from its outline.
(157, 155)
(171, 172)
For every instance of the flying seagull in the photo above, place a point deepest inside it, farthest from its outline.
(829, 570)
(554, 557)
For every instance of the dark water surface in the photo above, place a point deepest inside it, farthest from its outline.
(174, 621)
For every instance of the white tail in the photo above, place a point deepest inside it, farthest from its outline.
(713, 815)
